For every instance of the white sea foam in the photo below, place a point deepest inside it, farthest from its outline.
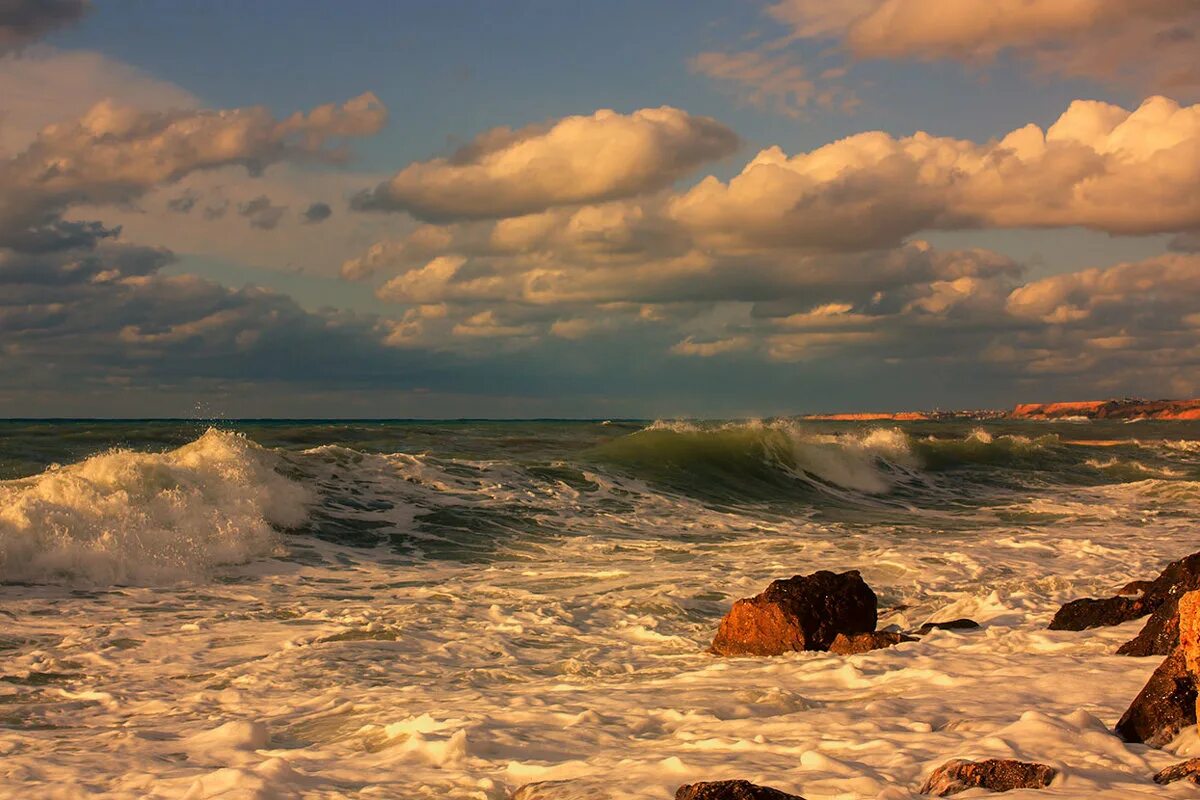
(125, 517)
(340, 671)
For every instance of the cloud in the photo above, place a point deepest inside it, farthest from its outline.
(116, 154)
(261, 214)
(775, 81)
(46, 85)
(1099, 166)
(184, 202)
(25, 21)
(317, 212)
(1150, 44)
(580, 159)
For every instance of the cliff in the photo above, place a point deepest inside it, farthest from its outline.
(1129, 408)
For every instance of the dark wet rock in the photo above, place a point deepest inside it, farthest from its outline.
(963, 624)
(1186, 771)
(1135, 588)
(1160, 634)
(1079, 615)
(848, 645)
(804, 612)
(994, 774)
(731, 790)
(1165, 706)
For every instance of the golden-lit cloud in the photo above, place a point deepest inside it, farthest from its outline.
(1098, 166)
(1150, 44)
(579, 159)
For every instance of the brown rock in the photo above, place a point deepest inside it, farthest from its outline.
(1079, 615)
(1160, 634)
(1189, 631)
(731, 790)
(1165, 706)
(1188, 770)
(856, 643)
(804, 612)
(995, 774)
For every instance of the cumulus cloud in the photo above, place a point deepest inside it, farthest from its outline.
(1098, 166)
(580, 159)
(1149, 43)
(25, 21)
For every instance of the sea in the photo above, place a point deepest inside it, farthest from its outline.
(413, 609)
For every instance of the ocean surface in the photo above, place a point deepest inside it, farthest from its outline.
(451, 610)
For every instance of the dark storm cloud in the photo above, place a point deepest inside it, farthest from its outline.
(260, 213)
(23, 22)
(317, 212)
(184, 203)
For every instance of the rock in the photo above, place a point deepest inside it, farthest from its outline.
(1158, 598)
(856, 643)
(1135, 588)
(995, 774)
(1079, 615)
(950, 625)
(1189, 632)
(1165, 706)
(804, 612)
(1160, 634)
(558, 790)
(1188, 770)
(731, 790)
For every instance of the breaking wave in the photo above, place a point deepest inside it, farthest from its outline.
(123, 517)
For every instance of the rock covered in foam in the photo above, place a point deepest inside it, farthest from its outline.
(856, 643)
(994, 774)
(1165, 706)
(804, 612)
(731, 790)
(558, 790)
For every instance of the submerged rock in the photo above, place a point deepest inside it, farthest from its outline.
(1165, 706)
(731, 790)
(558, 790)
(962, 624)
(856, 643)
(804, 612)
(995, 774)
(1188, 770)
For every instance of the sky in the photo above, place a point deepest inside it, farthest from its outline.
(293, 208)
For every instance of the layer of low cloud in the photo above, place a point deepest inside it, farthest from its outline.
(1149, 44)
(580, 159)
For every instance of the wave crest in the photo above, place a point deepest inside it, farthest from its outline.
(147, 518)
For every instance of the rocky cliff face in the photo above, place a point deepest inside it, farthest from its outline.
(1111, 409)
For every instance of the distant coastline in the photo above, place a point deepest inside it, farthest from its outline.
(1125, 409)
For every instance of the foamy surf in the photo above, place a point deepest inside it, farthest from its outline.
(123, 517)
(464, 608)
